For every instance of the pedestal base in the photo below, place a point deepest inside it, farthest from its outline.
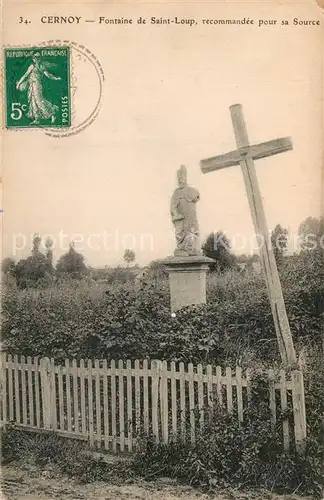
(187, 278)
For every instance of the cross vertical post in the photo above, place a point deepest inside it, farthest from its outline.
(244, 156)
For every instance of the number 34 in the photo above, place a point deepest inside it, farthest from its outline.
(17, 110)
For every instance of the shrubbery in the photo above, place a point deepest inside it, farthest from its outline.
(247, 455)
(80, 319)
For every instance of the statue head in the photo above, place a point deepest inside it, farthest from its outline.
(182, 176)
(36, 57)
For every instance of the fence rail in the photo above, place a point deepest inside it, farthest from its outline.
(108, 404)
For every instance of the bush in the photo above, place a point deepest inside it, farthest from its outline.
(82, 319)
(247, 455)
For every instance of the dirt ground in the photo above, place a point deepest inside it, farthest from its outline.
(28, 483)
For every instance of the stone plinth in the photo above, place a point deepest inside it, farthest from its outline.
(187, 278)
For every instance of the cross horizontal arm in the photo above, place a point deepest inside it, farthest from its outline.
(255, 151)
(220, 161)
(270, 148)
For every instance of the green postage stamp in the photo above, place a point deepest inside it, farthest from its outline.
(37, 87)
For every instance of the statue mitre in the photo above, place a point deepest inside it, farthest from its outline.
(182, 175)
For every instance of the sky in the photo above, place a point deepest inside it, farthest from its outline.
(165, 102)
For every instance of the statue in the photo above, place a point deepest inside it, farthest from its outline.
(183, 213)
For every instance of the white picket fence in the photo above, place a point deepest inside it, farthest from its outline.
(108, 404)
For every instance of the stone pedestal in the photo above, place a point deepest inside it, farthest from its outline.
(187, 278)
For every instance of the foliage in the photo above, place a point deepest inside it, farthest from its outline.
(232, 454)
(311, 233)
(8, 266)
(279, 242)
(37, 269)
(129, 256)
(120, 320)
(119, 275)
(71, 264)
(218, 247)
(32, 271)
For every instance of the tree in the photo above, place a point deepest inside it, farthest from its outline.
(71, 263)
(49, 254)
(129, 256)
(279, 242)
(311, 234)
(8, 266)
(217, 246)
(36, 244)
(30, 271)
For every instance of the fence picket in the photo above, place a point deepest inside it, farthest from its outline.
(155, 397)
(90, 404)
(23, 390)
(61, 397)
(145, 397)
(68, 395)
(209, 372)
(82, 398)
(98, 403)
(173, 398)
(284, 406)
(53, 395)
(200, 395)
(164, 402)
(191, 402)
(105, 403)
(30, 392)
(219, 385)
(298, 394)
(129, 405)
(37, 399)
(239, 393)
(10, 389)
(45, 374)
(3, 402)
(113, 405)
(229, 393)
(17, 395)
(137, 395)
(75, 395)
(121, 405)
(182, 401)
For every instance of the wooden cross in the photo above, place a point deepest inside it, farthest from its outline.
(244, 156)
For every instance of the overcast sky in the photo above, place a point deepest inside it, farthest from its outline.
(165, 102)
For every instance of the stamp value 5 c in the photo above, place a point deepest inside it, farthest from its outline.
(37, 86)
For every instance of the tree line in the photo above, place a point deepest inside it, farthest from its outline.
(38, 268)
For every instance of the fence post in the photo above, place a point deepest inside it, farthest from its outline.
(298, 397)
(46, 389)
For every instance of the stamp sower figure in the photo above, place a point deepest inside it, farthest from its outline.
(183, 214)
(39, 107)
